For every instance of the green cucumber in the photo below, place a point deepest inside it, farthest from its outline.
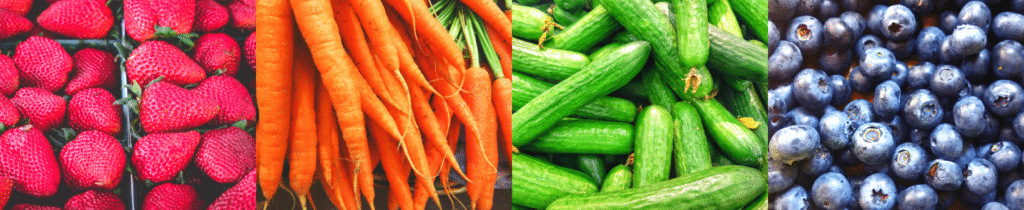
(565, 160)
(758, 43)
(717, 158)
(531, 2)
(642, 18)
(745, 103)
(585, 137)
(537, 183)
(634, 90)
(593, 166)
(618, 178)
(736, 141)
(604, 50)
(518, 207)
(528, 22)
(720, 14)
(726, 187)
(653, 153)
(544, 6)
(597, 25)
(692, 30)
(754, 14)
(525, 88)
(548, 63)
(625, 36)
(571, 5)
(657, 92)
(690, 151)
(597, 79)
(735, 57)
(665, 8)
(613, 160)
(760, 204)
(565, 18)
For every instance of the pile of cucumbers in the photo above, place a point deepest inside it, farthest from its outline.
(634, 104)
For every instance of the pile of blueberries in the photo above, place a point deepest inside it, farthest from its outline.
(944, 126)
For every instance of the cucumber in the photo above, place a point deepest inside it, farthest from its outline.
(737, 142)
(593, 166)
(595, 80)
(725, 187)
(657, 92)
(737, 58)
(665, 8)
(586, 32)
(548, 63)
(753, 13)
(758, 43)
(653, 153)
(525, 88)
(720, 14)
(528, 22)
(565, 160)
(531, 2)
(613, 160)
(518, 207)
(745, 103)
(572, 5)
(585, 137)
(633, 91)
(537, 183)
(566, 18)
(544, 6)
(690, 149)
(618, 178)
(692, 30)
(717, 158)
(625, 36)
(604, 50)
(760, 204)
(642, 18)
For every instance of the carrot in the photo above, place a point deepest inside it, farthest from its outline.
(302, 155)
(490, 13)
(503, 108)
(355, 43)
(273, 90)
(453, 142)
(435, 140)
(435, 35)
(414, 149)
(442, 113)
(484, 148)
(338, 73)
(504, 54)
(395, 167)
(408, 65)
(347, 180)
(328, 149)
(371, 15)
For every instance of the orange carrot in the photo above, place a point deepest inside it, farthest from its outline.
(441, 112)
(302, 155)
(453, 142)
(492, 15)
(504, 54)
(503, 108)
(413, 145)
(408, 64)
(355, 43)
(395, 167)
(328, 155)
(347, 180)
(273, 90)
(478, 150)
(371, 15)
(427, 27)
(435, 140)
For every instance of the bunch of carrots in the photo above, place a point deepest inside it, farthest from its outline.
(367, 82)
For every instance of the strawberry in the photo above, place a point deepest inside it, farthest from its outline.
(243, 14)
(19, 7)
(9, 115)
(43, 63)
(26, 206)
(234, 100)
(79, 19)
(154, 59)
(165, 107)
(210, 16)
(240, 197)
(6, 186)
(26, 157)
(250, 50)
(93, 68)
(141, 17)
(8, 75)
(226, 154)
(173, 196)
(42, 108)
(159, 157)
(12, 24)
(94, 160)
(93, 199)
(217, 52)
(94, 109)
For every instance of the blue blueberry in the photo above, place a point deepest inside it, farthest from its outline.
(920, 7)
(909, 161)
(1006, 133)
(877, 64)
(948, 21)
(887, 100)
(1018, 125)
(975, 13)
(803, 116)
(875, 18)
(943, 175)
(835, 61)
(828, 9)
(773, 37)
(1004, 98)
(922, 110)
(837, 33)
(947, 81)
(920, 137)
(780, 176)
(778, 121)
(845, 158)
(994, 206)
(1004, 155)
(975, 67)
(841, 91)
(1007, 25)
(919, 196)
(794, 198)
(969, 154)
(928, 42)
(991, 129)
(781, 100)
(877, 193)
(1015, 195)
(835, 129)
(832, 191)
(947, 53)
(980, 177)
(1006, 179)
(866, 43)
(781, 9)
(818, 163)
(920, 76)
(785, 62)
(859, 82)
(898, 22)
(945, 199)
(835, 169)
(793, 143)
(872, 143)
(807, 7)
(973, 200)
(1008, 59)
(969, 116)
(859, 112)
(899, 129)
(811, 89)
(946, 143)
(855, 5)
(899, 74)
(1018, 6)
(855, 21)
(967, 40)
(901, 49)
(805, 32)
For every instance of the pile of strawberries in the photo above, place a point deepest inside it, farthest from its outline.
(62, 125)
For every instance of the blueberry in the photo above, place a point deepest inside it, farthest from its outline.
(947, 81)
(835, 129)
(909, 161)
(947, 53)
(969, 154)
(887, 100)
(780, 176)
(945, 199)
(859, 82)
(943, 175)
(901, 49)
(846, 158)
(1006, 179)
(975, 13)
(980, 177)
(1006, 133)
(991, 129)
(919, 196)
(969, 116)
(1018, 125)
(835, 61)
(877, 193)
(859, 112)
(1008, 59)
(780, 100)
(835, 169)
(875, 18)
(1004, 155)
(828, 9)
(805, 32)
(985, 149)
(1015, 195)
(928, 42)
(922, 110)
(948, 21)
(920, 76)
(867, 42)
(840, 90)
(1004, 98)
(803, 116)
(946, 143)
(855, 5)
(794, 198)
(973, 200)
(807, 7)
(831, 191)
(899, 129)
(975, 67)
(778, 121)
(785, 62)
(994, 206)
(967, 40)
(898, 23)
(872, 143)
(1007, 25)
(781, 9)
(1018, 6)
(811, 89)
(855, 21)
(919, 137)
(793, 143)
(978, 90)
(773, 37)
(817, 164)
(877, 64)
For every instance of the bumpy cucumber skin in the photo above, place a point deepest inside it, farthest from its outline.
(692, 28)
(604, 50)
(720, 14)
(746, 103)
(690, 151)
(537, 183)
(619, 177)
(547, 63)
(737, 58)
(724, 187)
(587, 32)
(657, 92)
(593, 166)
(760, 204)
(566, 18)
(737, 142)
(571, 5)
(652, 157)
(525, 88)
(528, 22)
(753, 12)
(585, 137)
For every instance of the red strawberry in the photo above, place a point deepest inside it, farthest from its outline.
(9, 115)
(6, 186)
(94, 160)
(172, 196)
(142, 16)
(43, 63)
(92, 199)
(165, 107)
(26, 206)
(159, 157)
(157, 58)
(26, 157)
(12, 24)
(42, 108)
(243, 14)
(240, 197)
(94, 109)
(19, 7)
(226, 154)
(217, 52)
(93, 69)
(250, 50)
(210, 16)
(79, 19)
(234, 100)
(8, 75)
